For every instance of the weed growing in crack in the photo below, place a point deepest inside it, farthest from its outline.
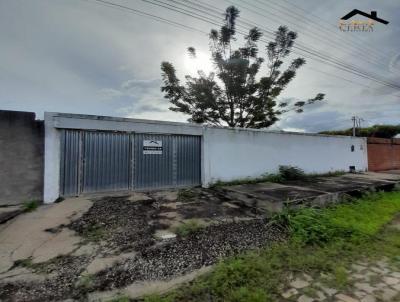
(30, 206)
(27, 263)
(188, 227)
(94, 233)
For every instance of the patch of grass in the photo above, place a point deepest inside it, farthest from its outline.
(311, 292)
(157, 298)
(94, 233)
(285, 173)
(27, 262)
(341, 277)
(267, 177)
(291, 173)
(30, 206)
(328, 174)
(322, 241)
(185, 195)
(188, 227)
(119, 299)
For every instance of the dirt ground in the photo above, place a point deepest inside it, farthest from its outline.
(92, 249)
(129, 242)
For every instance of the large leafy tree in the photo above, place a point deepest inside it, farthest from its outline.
(234, 95)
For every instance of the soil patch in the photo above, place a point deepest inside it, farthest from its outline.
(202, 248)
(62, 285)
(120, 223)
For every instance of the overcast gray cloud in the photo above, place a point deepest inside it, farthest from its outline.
(80, 57)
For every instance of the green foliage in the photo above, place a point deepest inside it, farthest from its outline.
(291, 173)
(285, 173)
(95, 233)
(188, 227)
(245, 294)
(356, 221)
(27, 262)
(120, 299)
(157, 298)
(325, 240)
(30, 206)
(267, 177)
(235, 95)
(383, 131)
(341, 277)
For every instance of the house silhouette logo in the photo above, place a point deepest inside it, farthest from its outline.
(358, 25)
(372, 16)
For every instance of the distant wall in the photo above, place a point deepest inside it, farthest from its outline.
(21, 157)
(383, 154)
(238, 153)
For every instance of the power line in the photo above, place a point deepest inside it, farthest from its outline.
(304, 19)
(361, 41)
(145, 14)
(270, 33)
(333, 61)
(315, 55)
(300, 44)
(164, 20)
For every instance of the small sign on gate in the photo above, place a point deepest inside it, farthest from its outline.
(152, 147)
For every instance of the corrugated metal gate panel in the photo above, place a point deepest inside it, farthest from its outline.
(69, 165)
(188, 160)
(106, 161)
(153, 170)
(96, 161)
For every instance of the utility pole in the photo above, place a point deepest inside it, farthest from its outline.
(356, 123)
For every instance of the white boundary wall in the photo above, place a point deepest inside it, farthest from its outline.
(227, 154)
(231, 154)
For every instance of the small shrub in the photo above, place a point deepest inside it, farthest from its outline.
(30, 206)
(188, 227)
(272, 177)
(291, 173)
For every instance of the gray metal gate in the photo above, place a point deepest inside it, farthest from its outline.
(106, 161)
(96, 161)
(178, 164)
(70, 160)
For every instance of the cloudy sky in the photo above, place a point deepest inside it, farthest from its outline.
(80, 56)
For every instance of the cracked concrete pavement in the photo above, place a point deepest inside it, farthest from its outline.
(26, 235)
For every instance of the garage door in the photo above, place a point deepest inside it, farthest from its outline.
(106, 161)
(163, 161)
(100, 161)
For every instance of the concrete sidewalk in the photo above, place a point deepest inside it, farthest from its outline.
(320, 191)
(26, 236)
